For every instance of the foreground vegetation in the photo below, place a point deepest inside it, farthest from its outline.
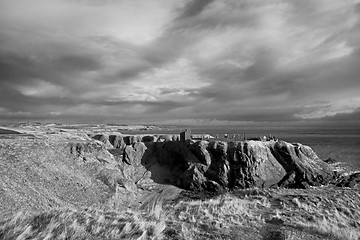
(318, 213)
(94, 224)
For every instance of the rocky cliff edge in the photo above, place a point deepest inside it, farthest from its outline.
(220, 165)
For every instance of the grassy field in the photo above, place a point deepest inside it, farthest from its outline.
(272, 214)
(83, 224)
(243, 214)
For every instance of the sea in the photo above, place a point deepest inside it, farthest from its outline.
(339, 143)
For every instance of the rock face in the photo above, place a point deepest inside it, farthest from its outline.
(117, 141)
(98, 162)
(216, 165)
(91, 151)
(302, 165)
(103, 138)
(132, 158)
(253, 164)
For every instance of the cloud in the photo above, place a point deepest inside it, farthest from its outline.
(41, 89)
(205, 60)
(326, 109)
(353, 116)
(77, 63)
(194, 8)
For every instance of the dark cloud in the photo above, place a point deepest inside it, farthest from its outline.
(236, 14)
(15, 101)
(131, 71)
(194, 7)
(77, 63)
(31, 74)
(15, 68)
(353, 116)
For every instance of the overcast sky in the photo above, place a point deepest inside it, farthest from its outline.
(174, 61)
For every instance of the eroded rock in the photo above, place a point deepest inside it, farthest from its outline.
(104, 138)
(237, 164)
(253, 165)
(222, 165)
(117, 141)
(302, 165)
(133, 168)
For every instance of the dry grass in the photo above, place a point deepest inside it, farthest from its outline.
(269, 214)
(85, 224)
(333, 212)
(225, 217)
(311, 214)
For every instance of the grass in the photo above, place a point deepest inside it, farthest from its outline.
(83, 224)
(271, 214)
(224, 217)
(337, 216)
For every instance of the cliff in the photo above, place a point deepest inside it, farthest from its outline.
(216, 165)
(203, 165)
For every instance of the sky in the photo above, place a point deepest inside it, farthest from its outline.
(180, 62)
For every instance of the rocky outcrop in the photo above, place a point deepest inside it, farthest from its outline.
(91, 151)
(253, 164)
(104, 138)
(117, 141)
(101, 165)
(231, 165)
(345, 174)
(351, 181)
(303, 167)
(129, 140)
(216, 165)
(133, 168)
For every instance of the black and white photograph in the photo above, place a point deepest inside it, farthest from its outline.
(180, 119)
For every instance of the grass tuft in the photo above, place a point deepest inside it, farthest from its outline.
(84, 224)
